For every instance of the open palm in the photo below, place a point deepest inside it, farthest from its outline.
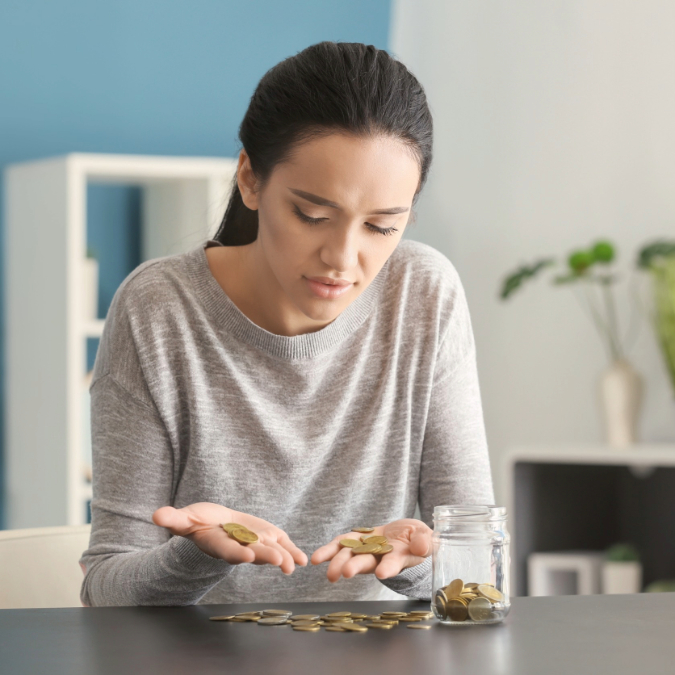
(202, 523)
(410, 538)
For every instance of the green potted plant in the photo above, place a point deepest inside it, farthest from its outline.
(658, 259)
(622, 569)
(591, 271)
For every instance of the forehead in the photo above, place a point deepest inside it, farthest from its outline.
(358, 173)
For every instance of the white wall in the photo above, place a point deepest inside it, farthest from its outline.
(554, 125)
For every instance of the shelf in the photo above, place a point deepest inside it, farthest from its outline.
(93, 328)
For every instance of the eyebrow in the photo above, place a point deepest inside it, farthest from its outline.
(321, 201)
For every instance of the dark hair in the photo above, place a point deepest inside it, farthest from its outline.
(326, 88)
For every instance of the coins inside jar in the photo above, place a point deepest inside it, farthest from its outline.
(459, 601)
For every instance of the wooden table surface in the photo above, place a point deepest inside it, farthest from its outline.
(598, 634)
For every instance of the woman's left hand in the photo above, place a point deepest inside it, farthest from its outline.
(410, 538)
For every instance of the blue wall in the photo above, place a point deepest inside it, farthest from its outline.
(163, 77)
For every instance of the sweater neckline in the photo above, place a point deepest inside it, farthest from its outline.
(308, 345)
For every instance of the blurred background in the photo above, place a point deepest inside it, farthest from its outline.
(554, 144)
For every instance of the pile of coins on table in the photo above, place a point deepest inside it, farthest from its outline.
(241, 533)
(335, 622)
(375, 544)
(459, 601)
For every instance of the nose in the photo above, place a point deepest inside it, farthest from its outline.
(340, 249)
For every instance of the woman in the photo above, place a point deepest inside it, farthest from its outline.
(303, 373)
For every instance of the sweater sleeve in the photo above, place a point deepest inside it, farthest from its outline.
(130, 560)
(135, 466)
(455, 464)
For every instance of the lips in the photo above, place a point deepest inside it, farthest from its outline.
(328, 288)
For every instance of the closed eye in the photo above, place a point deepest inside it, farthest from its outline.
(315, 221)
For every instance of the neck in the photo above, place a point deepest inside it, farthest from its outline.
(247, 278)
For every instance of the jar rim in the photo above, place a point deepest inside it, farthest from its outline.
(471, 512)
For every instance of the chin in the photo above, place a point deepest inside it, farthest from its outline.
(322, 310)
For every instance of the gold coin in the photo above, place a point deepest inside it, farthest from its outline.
(272, 621)
(276, 612)
(249, 616)
(454, 588)
(244, 536)
(376, 539)
(393, 614)
(457, 610)
(236, 619)
(359, 616)
(302, 623)
(363, 529)
(411, 619)
(421, 626)
(335, 629)
(228, 527)
(305, 617)
(338, 614)
(471, 586)
(355, 628)
(307, 629)
(350, 543)
(385, 548)
(480, 609)
(425, 614)
(221, 618)
(491, 593)
(366, 548)
(379, 626)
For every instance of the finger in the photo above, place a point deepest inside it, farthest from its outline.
(390, 566)
(335, 568)
(325, 552)
(287, 564)
(298, 555)
(363, 563)
(420, 544)
(266, 555)
(177, 521)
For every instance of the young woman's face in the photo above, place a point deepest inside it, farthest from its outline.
(332, 215)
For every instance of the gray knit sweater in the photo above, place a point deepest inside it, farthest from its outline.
(353, 424)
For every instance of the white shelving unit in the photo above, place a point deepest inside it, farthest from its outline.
(594, 494)
(184, 199)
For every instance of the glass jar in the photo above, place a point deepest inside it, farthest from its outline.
(470, 555)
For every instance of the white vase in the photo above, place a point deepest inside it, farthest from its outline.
(621, 577)
(621, 398)
(90, 289)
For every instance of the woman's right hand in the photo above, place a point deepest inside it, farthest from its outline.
(202, 523)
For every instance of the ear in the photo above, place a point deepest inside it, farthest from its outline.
(246, 181)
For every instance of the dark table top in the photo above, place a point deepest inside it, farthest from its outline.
(541, 636)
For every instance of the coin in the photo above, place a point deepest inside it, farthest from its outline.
(359, 616)
(340, 614)
(272, 621)
(307, 629)
(363, 529)
(228, 527)
(385, 548)
(350, 543)
(221, 618)
(421, 626)
(454, 588)
(277, 612)
(335, 629)
(491, 593)
(393, 614)
(456, 609)
(480, 609)
(379, 626)
(304, 623)
(305, 617)
(244, 536)
(366, 548)
(376, 539)
(355, 628)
